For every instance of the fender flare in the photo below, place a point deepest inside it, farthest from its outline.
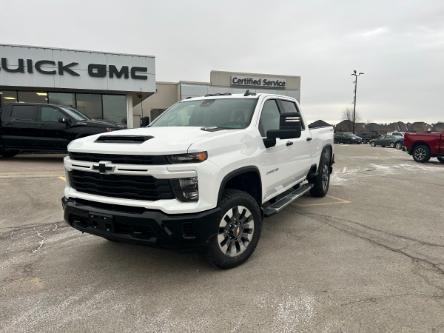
(236, 173)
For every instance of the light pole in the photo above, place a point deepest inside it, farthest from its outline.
(355, 74)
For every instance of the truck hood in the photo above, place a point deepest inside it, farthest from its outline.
(160, 140)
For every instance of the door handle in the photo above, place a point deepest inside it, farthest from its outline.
(309, 139)
(289, 143)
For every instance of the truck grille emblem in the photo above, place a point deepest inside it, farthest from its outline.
(103, 167)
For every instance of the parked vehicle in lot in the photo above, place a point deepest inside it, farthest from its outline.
(367, 136)
(392, 141)
(401, 134)
(347, 137)
(28, 127)
(202, 175)
(423, 146)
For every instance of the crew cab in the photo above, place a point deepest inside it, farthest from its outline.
(423, 146)
(26, 127)
(202, 175)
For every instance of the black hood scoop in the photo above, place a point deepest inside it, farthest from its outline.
(123, 138)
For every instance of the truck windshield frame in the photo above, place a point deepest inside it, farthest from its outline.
(226, 113)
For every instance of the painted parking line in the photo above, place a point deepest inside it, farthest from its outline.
(336, 201)
(62, 178)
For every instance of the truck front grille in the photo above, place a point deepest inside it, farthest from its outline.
(121, 186)
(120, 159)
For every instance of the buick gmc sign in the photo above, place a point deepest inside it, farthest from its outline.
(58, 68)
(258, 82)
(50, 67)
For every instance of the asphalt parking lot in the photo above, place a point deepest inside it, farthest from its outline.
(369, 257)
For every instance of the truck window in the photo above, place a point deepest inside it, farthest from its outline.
(24, 112)
(290, 107)
(270, 117)
(50, 114)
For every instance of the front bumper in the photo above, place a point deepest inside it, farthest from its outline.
(139, 225)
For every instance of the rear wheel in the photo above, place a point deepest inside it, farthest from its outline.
(392, 145)
(238, 230)
(321, 182)
(9, 153)
(373, 144)
(421, 153)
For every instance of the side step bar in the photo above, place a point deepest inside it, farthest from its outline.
(281, 203)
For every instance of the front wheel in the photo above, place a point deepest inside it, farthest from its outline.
(321, 182)
(238, 230)
(373, 144)
(398, 145)
(421, 153)
(441, 159)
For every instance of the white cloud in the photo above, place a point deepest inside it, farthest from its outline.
(372, 33)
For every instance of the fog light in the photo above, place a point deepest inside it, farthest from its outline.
(188, 189)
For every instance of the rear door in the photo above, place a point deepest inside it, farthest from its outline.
(20, 127)
(52, 131)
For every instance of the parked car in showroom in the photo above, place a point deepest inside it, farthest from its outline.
(393, 141)
(347, 137)
(423, 146)
(26, 127)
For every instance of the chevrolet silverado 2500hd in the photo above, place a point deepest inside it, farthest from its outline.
(201, 175)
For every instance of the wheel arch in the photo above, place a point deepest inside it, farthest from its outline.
(417, 143)
(241, 179)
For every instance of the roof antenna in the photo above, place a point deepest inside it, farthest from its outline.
(247, 93)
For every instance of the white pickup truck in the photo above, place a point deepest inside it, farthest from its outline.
(203, 175)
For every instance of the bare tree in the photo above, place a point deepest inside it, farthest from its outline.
(348, 115)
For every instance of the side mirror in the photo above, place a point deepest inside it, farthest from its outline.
(290, 128)
(64, 120)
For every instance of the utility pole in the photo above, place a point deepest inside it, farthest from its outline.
(355, 74)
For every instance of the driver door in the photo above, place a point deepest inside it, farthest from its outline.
(53, 132)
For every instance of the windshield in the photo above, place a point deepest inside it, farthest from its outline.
(73, 113)
(230, 113)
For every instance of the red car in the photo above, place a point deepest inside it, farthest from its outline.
(422, 146)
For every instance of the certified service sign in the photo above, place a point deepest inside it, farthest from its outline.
(258, 82)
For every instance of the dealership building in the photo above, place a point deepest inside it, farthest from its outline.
(113, 86)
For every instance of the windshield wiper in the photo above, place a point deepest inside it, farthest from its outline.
(215, 128)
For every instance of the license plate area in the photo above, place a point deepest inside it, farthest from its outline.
(100, 221)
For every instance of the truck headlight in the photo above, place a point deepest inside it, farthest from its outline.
(188, 158)
(186, 189)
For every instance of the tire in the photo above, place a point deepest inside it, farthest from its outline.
(373, 144)
(441, 159)
(9, 153)
(421, 153)
(392, 145)
(239, 228)
(321, 182)
(398, 145)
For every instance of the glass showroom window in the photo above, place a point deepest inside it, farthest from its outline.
(33, 97)
(114, 108)
(8, 97)
(66, 99)
(90, 105)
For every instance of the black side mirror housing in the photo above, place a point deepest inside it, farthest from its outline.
(290, 128)
(65, 121)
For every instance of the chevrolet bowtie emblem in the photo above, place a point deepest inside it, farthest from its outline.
(103, 167)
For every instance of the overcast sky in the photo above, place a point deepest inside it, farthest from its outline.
(398, 44)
